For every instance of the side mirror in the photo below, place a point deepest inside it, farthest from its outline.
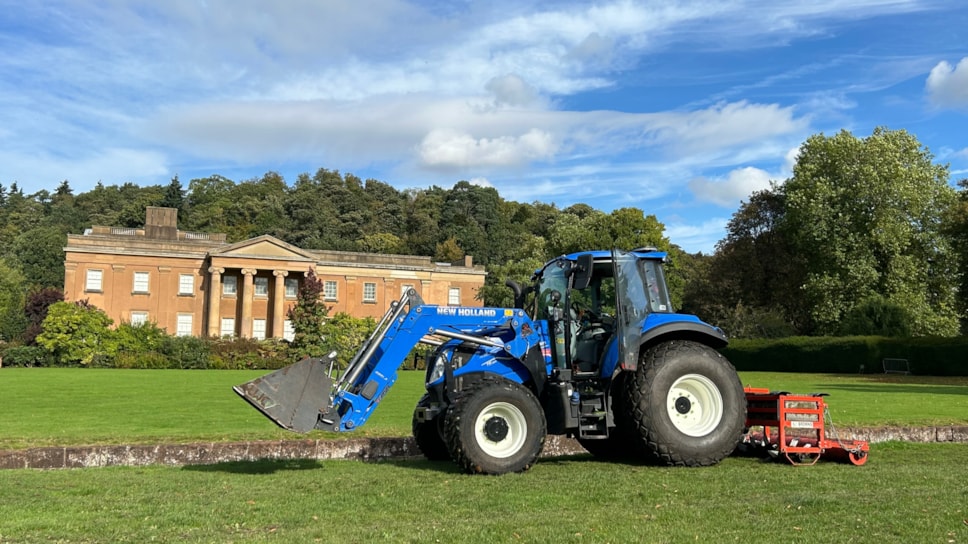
(583, 271)
(555, 312)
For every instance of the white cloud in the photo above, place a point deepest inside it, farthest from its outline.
(738, 185)
(947, 85)
(480, 182)
(423, 87)
(511, 90)
(456, 149)
(724, 126)
(697, 237)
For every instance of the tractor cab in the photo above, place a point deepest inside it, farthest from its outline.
(589, 313)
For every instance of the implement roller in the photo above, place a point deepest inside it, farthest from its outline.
(793, 426)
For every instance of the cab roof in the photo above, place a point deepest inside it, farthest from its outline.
(606, 254)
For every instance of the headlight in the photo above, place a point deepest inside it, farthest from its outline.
(437, 371)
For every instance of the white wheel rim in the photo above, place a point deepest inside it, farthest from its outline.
(695, 405)
(517, 429)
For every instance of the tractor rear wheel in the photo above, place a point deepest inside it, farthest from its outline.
(429, 434)
(687, 404)
(495, 426)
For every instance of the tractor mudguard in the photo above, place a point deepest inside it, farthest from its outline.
(656, 326)
(492, 362)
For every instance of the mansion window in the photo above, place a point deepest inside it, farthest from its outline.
(259, 329)
(184, 325)
(292, 287)
(93, 280)
(227, 329)
(230, 285)
(369, 292)
(404, 288)
(262, 287)
(453, 296)
(288, 331)
(329, 290)
(140, 282)
(186, 284)
(138, 318)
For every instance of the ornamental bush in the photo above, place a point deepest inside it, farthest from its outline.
(78, 334)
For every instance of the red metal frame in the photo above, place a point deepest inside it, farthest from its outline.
(793, 425)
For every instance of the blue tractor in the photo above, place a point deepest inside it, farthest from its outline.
(592, 349)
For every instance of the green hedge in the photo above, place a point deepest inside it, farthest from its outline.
(926, 356)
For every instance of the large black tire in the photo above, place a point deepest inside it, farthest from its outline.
(495, 426)
(429, 434)
(687, 405)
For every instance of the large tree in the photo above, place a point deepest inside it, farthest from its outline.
(958, 229)
(861, 223)
(13, 322)
(865, 215)
(39, 253)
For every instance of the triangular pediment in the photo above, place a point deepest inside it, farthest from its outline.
(264, 246)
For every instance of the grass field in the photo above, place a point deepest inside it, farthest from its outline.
(55, 406)
(906, 493)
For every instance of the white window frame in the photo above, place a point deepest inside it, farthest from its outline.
(94, 280)
(138, 318)
(288, 331)
(260, 286)
(453, 296)
(230, 286)
(405, 287)
(259, 328)
(183, 326)
(227, 327)
(292, 287)
(141, 282)
(330, 290)
(186, 284)
(369, 291)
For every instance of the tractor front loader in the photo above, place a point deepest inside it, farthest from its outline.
(592, 349)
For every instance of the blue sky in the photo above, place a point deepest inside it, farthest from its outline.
(679, 108)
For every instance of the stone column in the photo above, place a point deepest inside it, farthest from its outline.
(279, 303)
(214, 300)
(247, 291)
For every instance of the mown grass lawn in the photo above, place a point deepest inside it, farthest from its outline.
(56, 406)
(905, 493)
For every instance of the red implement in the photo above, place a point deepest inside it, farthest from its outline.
(793, 426)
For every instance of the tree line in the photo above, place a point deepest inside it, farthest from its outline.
(866, 237)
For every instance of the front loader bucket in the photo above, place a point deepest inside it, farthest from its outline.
(294, 396)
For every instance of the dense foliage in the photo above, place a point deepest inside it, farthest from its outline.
(866, 237)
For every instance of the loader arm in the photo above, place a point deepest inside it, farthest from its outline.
(304, 396)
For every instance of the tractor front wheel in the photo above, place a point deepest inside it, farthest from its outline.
(429, 434)
(495, 426)
(687, 404)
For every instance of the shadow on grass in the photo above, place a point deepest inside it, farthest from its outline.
(267, 466)
(272, 466)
